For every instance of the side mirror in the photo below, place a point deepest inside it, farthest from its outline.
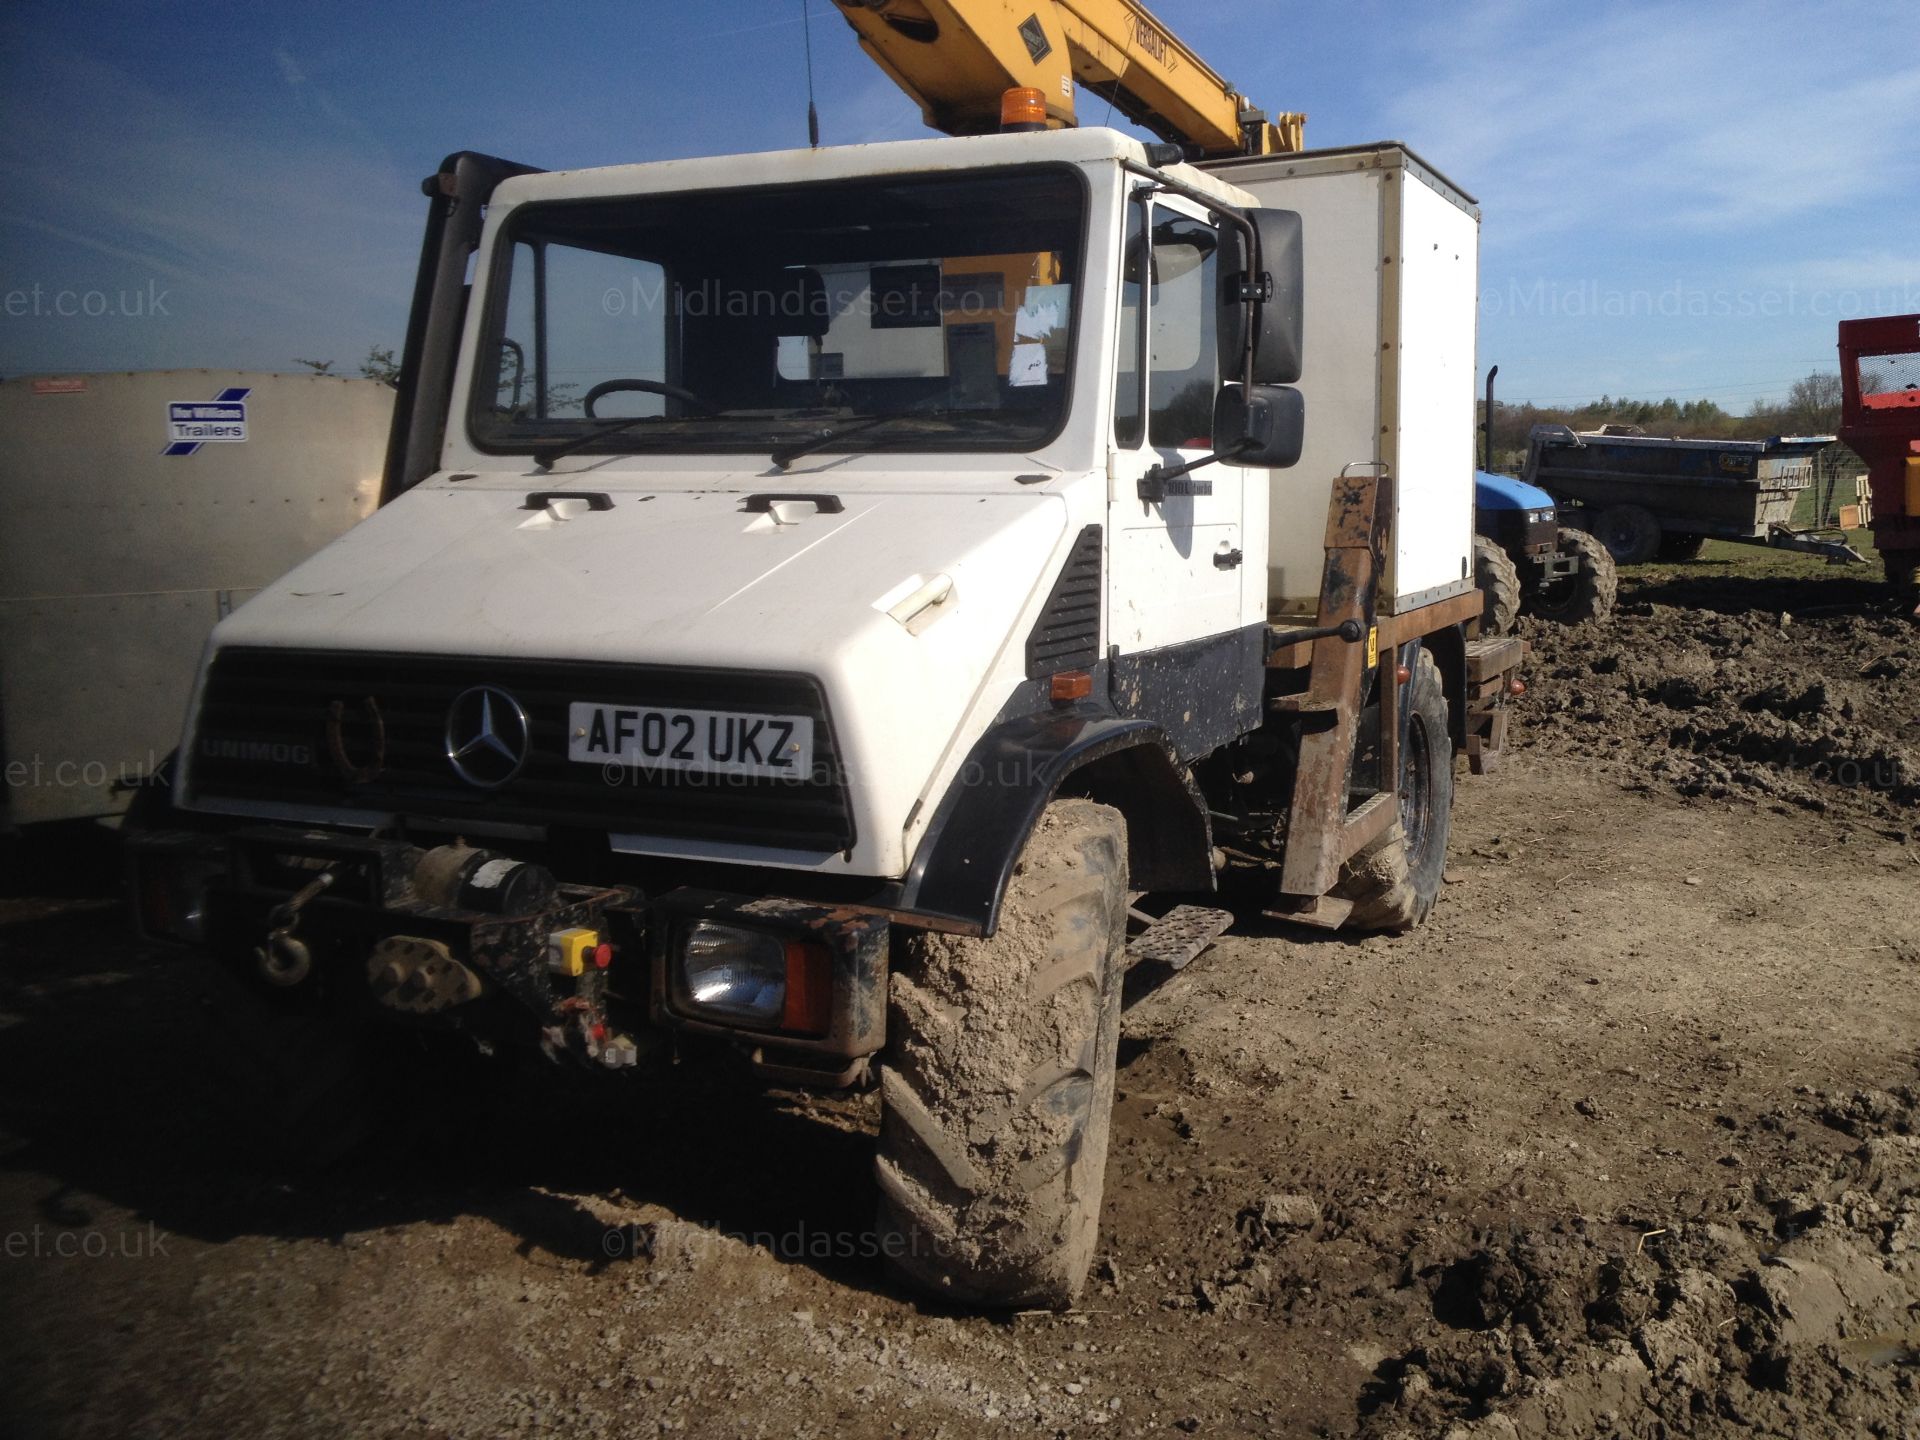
(1263, 427)
(1276, 279)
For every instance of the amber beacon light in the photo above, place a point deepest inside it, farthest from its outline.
(1024, 107)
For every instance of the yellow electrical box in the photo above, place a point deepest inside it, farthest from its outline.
(1913, 487)
(570, 951)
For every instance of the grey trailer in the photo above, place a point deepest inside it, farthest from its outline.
(140, 508)
(1651, 495)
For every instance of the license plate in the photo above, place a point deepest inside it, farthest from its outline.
(712, 742)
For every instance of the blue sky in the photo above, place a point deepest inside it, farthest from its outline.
(1678, 198)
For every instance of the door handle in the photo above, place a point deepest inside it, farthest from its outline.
(1227, 559)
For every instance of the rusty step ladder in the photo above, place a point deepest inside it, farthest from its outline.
(1322, 834)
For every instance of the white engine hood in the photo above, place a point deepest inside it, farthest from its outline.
(689, 577)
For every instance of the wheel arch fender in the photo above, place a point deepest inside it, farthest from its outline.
(961, 868)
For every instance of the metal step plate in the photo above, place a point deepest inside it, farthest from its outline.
(1179, 935)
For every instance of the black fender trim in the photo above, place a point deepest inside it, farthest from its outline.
(961, 868)
(1207, 693)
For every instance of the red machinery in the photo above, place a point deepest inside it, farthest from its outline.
(1880, 420)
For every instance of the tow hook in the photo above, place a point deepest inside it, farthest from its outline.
(284, 960)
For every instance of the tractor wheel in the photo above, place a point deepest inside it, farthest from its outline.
(1586, 595)
(1630, 533)
(997, 1086)
(1394, 882)
(1499, 583)
(1680, 547)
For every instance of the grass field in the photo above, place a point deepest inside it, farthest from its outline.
(1724, 557)
(1755, 562)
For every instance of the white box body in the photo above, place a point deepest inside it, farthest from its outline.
(1392, 295)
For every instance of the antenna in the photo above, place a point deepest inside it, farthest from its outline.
(813, 115)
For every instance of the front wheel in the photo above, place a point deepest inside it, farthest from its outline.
(1394, 881)
(997, 1086)
(1586, 595)
(1498, 581)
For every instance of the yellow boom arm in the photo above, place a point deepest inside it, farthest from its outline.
(957, 57)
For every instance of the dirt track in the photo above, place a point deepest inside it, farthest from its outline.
(1623, 1142)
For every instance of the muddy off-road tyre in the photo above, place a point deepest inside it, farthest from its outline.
(1499, 585)
(1630, 533)
(997, 1085)
(1588, 594)
(1394, 881)
(1679, 548)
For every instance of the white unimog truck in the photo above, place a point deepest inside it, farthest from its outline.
(816, 592)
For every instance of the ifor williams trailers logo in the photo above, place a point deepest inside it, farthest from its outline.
(219, 421)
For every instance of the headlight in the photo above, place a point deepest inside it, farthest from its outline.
(170, 890)
(1537, 516)
(734, 973)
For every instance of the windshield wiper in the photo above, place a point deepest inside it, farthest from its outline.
(782, 455)
(785, 455)
(545, 458)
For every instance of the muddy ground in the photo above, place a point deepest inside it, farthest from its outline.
(1624, 1142)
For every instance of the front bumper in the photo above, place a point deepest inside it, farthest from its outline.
(468, 939)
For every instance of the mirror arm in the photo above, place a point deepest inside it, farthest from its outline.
(1256, 288)
(1152, 486)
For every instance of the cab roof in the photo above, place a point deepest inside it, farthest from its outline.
(1092, 145)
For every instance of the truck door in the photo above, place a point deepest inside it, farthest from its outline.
(1176, 571)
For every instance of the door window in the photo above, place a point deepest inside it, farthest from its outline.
(1177, 279)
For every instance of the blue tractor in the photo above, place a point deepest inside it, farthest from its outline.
(1524, 560)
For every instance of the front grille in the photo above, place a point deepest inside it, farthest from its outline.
(262, 734)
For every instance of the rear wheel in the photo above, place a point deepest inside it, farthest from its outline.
(1394, 882)
(1499, 584)
(1630, 533)
(1587, 594)
(1681, 547)
(997, 1087)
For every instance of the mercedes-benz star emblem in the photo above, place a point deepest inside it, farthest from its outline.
(487, 736)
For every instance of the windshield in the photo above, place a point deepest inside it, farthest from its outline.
(794, 318)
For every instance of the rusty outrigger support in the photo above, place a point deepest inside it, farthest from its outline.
(1322, 835)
